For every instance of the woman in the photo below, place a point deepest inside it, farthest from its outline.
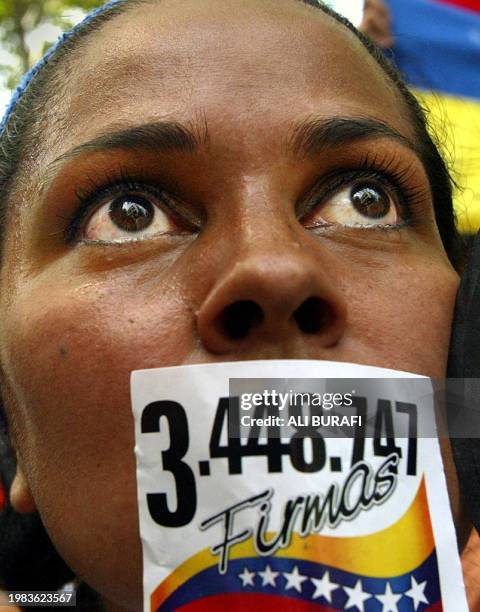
(188, 182)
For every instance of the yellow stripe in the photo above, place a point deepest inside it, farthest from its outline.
(394, 551)
(456, 121)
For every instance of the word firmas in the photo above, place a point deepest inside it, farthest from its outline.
(363, 488)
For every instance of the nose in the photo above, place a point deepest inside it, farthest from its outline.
(279, 297)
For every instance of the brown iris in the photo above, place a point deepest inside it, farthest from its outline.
(132, 213)
(369, 201)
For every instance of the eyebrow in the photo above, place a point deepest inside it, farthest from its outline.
(160, 136)
(308, 138)
(312, 136)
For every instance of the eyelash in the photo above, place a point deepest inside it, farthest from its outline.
(385, 171)
(112, 185)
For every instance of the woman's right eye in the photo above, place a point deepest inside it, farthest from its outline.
(132, 214)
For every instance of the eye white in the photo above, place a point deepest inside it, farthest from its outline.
(128, 217)
(361, 204)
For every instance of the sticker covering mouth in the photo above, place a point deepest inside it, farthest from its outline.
(249, 495)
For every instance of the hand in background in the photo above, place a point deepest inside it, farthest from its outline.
(376, 23)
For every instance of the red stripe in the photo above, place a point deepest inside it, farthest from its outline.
(470, 5)
(3, 497)
(253, 602)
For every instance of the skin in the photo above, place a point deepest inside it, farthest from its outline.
(376, 23)
(77, 318)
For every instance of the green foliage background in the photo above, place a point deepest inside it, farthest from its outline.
(20, 17)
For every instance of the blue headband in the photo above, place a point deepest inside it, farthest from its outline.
(29, 76)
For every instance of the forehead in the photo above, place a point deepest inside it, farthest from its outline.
(231, 62)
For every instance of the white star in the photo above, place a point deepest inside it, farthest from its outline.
(389, 599)
(356, 596)
(417, 592)
(268, 576)
(294, 580)
(323, 587)
(247, 577)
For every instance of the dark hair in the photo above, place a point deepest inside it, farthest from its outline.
(19, 564)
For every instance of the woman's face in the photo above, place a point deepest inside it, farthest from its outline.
(266, 201)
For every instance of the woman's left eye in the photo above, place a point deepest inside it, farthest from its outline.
(129, 216)
(361, 203)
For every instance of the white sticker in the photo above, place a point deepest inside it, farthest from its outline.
(253, 496)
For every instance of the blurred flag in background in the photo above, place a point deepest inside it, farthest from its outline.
(437, 48)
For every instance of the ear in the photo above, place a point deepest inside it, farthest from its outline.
(20, 496)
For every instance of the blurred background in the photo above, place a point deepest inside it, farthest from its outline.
(27, 29)
(435, 43)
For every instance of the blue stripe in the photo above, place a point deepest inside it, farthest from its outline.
(209, 582)
(437, 46)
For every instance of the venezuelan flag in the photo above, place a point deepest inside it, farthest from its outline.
(393, 569)
(437, 48)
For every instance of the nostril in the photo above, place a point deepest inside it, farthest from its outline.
(239, 318)
(313, 315)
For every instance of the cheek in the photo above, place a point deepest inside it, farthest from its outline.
(402, 320)
(72, 392)
(72, 401)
